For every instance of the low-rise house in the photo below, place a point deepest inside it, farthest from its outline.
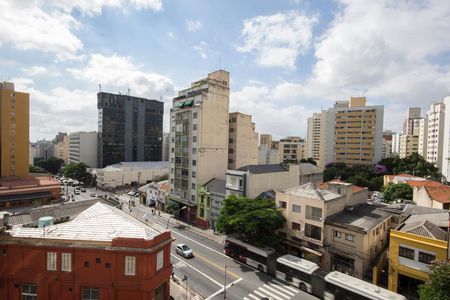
(211, 197)
(155, 194)
(253, 180)
(306, 207)
(355, 238)
(102, 253)
(420, 239)
(354, 194)
(129, 173)
(432, 196)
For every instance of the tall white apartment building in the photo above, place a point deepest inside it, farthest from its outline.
(446, 143)
(423, 137)
(199, 125)
(83, 148)
(395, 143)
(313, 137)
(436, 116)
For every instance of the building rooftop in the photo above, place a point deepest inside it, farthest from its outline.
(261, 169)
(309, 190)
(216, 186)
(99, 222)
(424, 228)
(355, 188)
(161, 185)
(440, 194)
(363, 216)
(138, 165)
(308, 168)
(439, 219)
(420, 183)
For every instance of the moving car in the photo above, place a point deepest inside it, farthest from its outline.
(83, 190)
(76, 192)
(184, 250)
(92, 195)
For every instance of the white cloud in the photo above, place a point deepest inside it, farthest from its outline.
(35, 70)
(91, 7)
(202, 48)
(193, 25)
(118, 72)
(278, 40)
(269, 115)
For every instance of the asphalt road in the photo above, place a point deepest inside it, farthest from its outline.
(205, 272)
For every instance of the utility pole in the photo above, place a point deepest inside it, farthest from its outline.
(225, 284)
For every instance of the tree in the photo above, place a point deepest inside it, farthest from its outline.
(412, 164)
(254, 220)
(437, 287)
(36, 169)
(52, 165)
(394, 191)
(78, 172)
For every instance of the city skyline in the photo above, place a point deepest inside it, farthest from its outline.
(287, 59)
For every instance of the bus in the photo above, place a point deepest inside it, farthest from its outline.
(342, 286)
(296, 271)
(260, 258)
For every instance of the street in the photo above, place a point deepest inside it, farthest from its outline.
(205, 272)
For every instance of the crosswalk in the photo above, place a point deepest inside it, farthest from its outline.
(274, 290)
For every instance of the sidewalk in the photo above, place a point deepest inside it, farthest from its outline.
(178, 291)
(207, 233)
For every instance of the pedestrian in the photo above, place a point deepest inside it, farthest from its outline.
(159, 213)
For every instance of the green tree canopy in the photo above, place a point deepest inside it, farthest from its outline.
(308, 160)
(36, 169)
(254, 220)
(412, 164)
(437, 287)
(394, 191)
(52, 165)
(78, 172)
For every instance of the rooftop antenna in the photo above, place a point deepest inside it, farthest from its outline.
(99, 88)
(128, 91)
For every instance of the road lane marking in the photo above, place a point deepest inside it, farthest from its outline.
(260, 294)
(209, 248)
(280, 288)
(253, 296)
(214, 281)
(217, 266)
(261, 289)
(222, 290)
(287, 287)
(276, 291)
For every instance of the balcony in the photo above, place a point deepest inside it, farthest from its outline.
(300, 235)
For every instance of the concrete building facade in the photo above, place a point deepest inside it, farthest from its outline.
(83, 148)
(423, 137)
(242, 141)
(386, 150)
(268, 155)
(446, 143)
(291, 149)
(129, 129)
(313, 138)
(199, 125)
(409, 144)
(14, 129)
(396, 143)
(436, 122)
(265, 139)
(61, 146)
(166, 146)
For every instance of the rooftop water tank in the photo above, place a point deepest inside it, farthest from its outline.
(45, 221)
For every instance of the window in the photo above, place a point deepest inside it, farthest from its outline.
(159, 260)
(426, 258)
(313, 213)
(296, 208)
(194, 139)
(194, 115)
(130, 265)
(51, 261)
(194, 174)
(91, 294)
(98, 260)
(66, 262)
(295, 226)
(350, 237)
(194, 150)
(194, 162)
(312, 231)
(194, 127)
(406, 252)
(282, 204)
(337, 234)
(29, 291)
(193, 186)
(108, 265)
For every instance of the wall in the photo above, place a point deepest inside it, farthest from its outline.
(258, 183)
(128, 175)
(421, 198)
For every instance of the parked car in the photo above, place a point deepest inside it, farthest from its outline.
(83, 190)
(184, 250)
(92, 195)
(76, 192)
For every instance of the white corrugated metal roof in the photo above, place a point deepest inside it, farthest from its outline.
(97, 223)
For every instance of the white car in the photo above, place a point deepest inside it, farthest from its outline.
(184, 250)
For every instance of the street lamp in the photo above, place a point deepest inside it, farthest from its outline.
(225, 282)
(167, 226)
(186, 285)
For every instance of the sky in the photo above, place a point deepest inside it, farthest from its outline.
(287, 58)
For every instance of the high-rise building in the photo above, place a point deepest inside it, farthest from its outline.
(14, 129)
(351, 133)
(268, 155)
(165, 146)
(129, 129)
(265, 139)
(83, 148)
(446, 143)
(435, 133)
(396, 143)
(313, 138)
(386, 150)
(292, 149)
(410, 123)
(242, 141)
(409, 144)
(61, 146)
(199, 128)
(423, 137)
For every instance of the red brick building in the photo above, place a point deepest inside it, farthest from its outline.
(103, 253)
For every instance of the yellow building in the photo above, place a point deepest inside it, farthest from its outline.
(14, 126)
(413, 246)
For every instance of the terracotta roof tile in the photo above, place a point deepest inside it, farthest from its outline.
(355, 188)
(439, 194)
(417, 183)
